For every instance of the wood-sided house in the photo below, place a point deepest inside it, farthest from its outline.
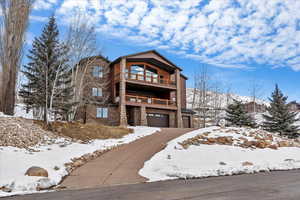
(145, 89)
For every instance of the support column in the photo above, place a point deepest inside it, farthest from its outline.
(143, 116)
(122, 94)
(178, 99)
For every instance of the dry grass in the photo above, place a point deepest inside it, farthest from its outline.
(86, 132)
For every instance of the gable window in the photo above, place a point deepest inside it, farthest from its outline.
(102, 113)
(98, 71)
(97, 92)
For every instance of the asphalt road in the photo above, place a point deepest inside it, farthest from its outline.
(281, 185)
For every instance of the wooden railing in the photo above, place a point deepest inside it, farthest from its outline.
(146, 79)
(149, 100)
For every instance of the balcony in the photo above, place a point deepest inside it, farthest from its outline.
(150, 102)
(147, 80)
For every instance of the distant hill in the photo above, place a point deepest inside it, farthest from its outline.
(222, 98)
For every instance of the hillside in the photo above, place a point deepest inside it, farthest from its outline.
(222, 98)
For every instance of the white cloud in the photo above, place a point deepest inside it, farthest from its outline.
(44, 4)
(227, 33)
(38, 18)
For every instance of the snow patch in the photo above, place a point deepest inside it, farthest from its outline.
(14, 161)
(215, 160)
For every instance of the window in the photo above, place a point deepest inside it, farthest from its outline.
(97, 92)
(102, 113)
(151, 75)
(98, 71)
(137, 72)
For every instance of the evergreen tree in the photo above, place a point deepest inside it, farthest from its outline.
(48, 87)
(236, 115)
(279, 118)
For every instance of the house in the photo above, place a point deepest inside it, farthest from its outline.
(252, 107)
(294, 106)
(144, 89)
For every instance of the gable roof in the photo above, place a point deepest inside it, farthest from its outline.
(148, 52)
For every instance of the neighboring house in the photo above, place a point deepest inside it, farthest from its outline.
(145, 89)
(294, 106)
(251, 107)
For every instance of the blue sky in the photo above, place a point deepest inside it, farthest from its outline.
(240, 41)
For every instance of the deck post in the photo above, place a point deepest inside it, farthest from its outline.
(143, 116)
(122, 93)
(178, 99)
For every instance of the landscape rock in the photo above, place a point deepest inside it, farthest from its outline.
(23, 133)
(273, 146)
(36, 171)
(283, 144)
(247, 163)
(222, 163)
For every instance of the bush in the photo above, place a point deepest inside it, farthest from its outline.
(87, 132)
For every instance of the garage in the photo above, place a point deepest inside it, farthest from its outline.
(186, 121)
(158, 120)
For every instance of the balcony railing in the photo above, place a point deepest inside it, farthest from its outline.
(149, 100)
(147, 79)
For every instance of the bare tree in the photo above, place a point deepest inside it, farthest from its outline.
(216, 100)
(202, 94)
(82, 43)
(256, 92)
(14, 22)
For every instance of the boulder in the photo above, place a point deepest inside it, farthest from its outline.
(78, 163)
(273, 146)
(211, 140)
(247, 163)
(283, 144)
(222, 163)
(36, 171)
(222, 123)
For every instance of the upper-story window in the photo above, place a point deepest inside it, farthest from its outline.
(151, 75)
(98, 71)
(137, 72)
(97, 92)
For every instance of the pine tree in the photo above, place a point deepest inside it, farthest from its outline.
(48, 87)
(279, 118)
(236, 115)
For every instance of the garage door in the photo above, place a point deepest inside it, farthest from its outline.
(157, 120)
(186, 121)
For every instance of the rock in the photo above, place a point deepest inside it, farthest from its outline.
(222, 163)
(262, 144)
(289, 160)
(78, 163)
(222, 123)
(283, 144)
(248, 144)
(36, 171)
(211, 140)
(247, 163)
(5, 189)
(273, 146)
(56, 168)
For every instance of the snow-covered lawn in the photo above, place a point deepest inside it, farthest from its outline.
(14, 161)
(205, 160)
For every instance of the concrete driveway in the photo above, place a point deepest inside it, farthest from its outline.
(263, 186)
(121, 165)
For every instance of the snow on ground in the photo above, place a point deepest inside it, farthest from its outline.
(14, 161)
(216, 160)
(20, 111)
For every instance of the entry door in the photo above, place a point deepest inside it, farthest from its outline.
(158, 120)
(186, 121)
